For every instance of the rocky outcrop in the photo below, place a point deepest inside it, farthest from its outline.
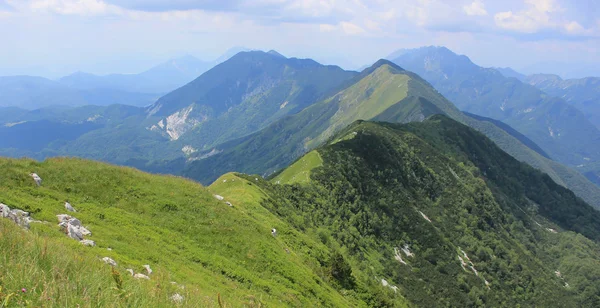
(73, 228)
(19, 217)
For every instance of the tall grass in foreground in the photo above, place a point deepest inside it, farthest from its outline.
(35, 272)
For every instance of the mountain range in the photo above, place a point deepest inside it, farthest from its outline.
(558, 127)
(428, 213)
(256, 113)
(80, 88)
(424, 180)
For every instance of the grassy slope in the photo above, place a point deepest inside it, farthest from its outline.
(299, 172)
(173, 224)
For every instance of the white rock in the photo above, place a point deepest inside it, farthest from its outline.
(177, 298)
(130, 271)
(36, 178)
(141, 276)
(384, 282)
(109, 261)
(148, 269)
(85, 231)
(21, 218)
(75, 222)
(63, 217)
(88, 243)
(229, 203)
(274, 232)
(4, 210)
(69, 207)
(220, 198)
(398, 256)
(74, 232)
(425, 216)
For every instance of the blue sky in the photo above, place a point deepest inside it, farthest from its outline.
(54, 37)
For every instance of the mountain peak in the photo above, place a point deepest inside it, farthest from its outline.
(275, 53)
(380, 63)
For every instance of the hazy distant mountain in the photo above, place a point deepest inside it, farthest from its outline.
(582, 93)
(31, 92)
(159, 79)
(509, 72)
(568, 70)
(557, 127)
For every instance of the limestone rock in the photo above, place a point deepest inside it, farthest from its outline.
(141, 276)
(88, 243)
(36, 178)
(74, 232)
(69, 207)
(148, 269)
(4, 210)
(109, 261)
(178, 298)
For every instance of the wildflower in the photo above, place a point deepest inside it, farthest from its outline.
(23, 290)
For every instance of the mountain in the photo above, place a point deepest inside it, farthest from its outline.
(557, 127)
(582, 93)
(257, 113)
(160, 79)
(384, 92)
(28, 92)
(440, 212)
(509, 72)
(236, 98)
(383, 215)
(241, 96)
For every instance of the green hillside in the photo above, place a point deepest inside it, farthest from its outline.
(176, 226)
(384, 92)
(440, 214)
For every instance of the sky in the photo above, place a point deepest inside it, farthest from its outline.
(57, 37)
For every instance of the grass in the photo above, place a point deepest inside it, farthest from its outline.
(39, 272)
(175, 225)
(299, 172)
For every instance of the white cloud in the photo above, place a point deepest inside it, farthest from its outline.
(574, 27)
(539, 15)
(351, 29)
(327, 28)
(477, 8)
(75, 7)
